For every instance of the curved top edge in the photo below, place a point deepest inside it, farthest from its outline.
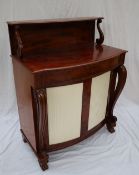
(56, 20)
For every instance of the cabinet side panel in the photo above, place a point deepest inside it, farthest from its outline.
(23, 82)
(98, 101)
(64, 112)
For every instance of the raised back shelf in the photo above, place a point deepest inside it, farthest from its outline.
(29, 38)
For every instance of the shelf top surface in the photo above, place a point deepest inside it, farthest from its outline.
(56, 20)
(69, 58)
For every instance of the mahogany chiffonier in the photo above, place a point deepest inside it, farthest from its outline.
(67, 83)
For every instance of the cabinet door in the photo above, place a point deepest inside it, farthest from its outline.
(98, 99)
(64, 105)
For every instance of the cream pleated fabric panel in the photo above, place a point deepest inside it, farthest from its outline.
(64, 112)
(98, 101)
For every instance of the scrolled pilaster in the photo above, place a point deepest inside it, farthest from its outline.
(115, 90)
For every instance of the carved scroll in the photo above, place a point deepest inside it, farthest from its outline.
(100, 40)
(114, 92)
(19, 42)
(41, 117)
(41, 125)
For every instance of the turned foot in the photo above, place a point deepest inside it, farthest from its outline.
(24, 139)
(111, 123)
(43, 161)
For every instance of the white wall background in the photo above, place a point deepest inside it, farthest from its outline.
(121, 29)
